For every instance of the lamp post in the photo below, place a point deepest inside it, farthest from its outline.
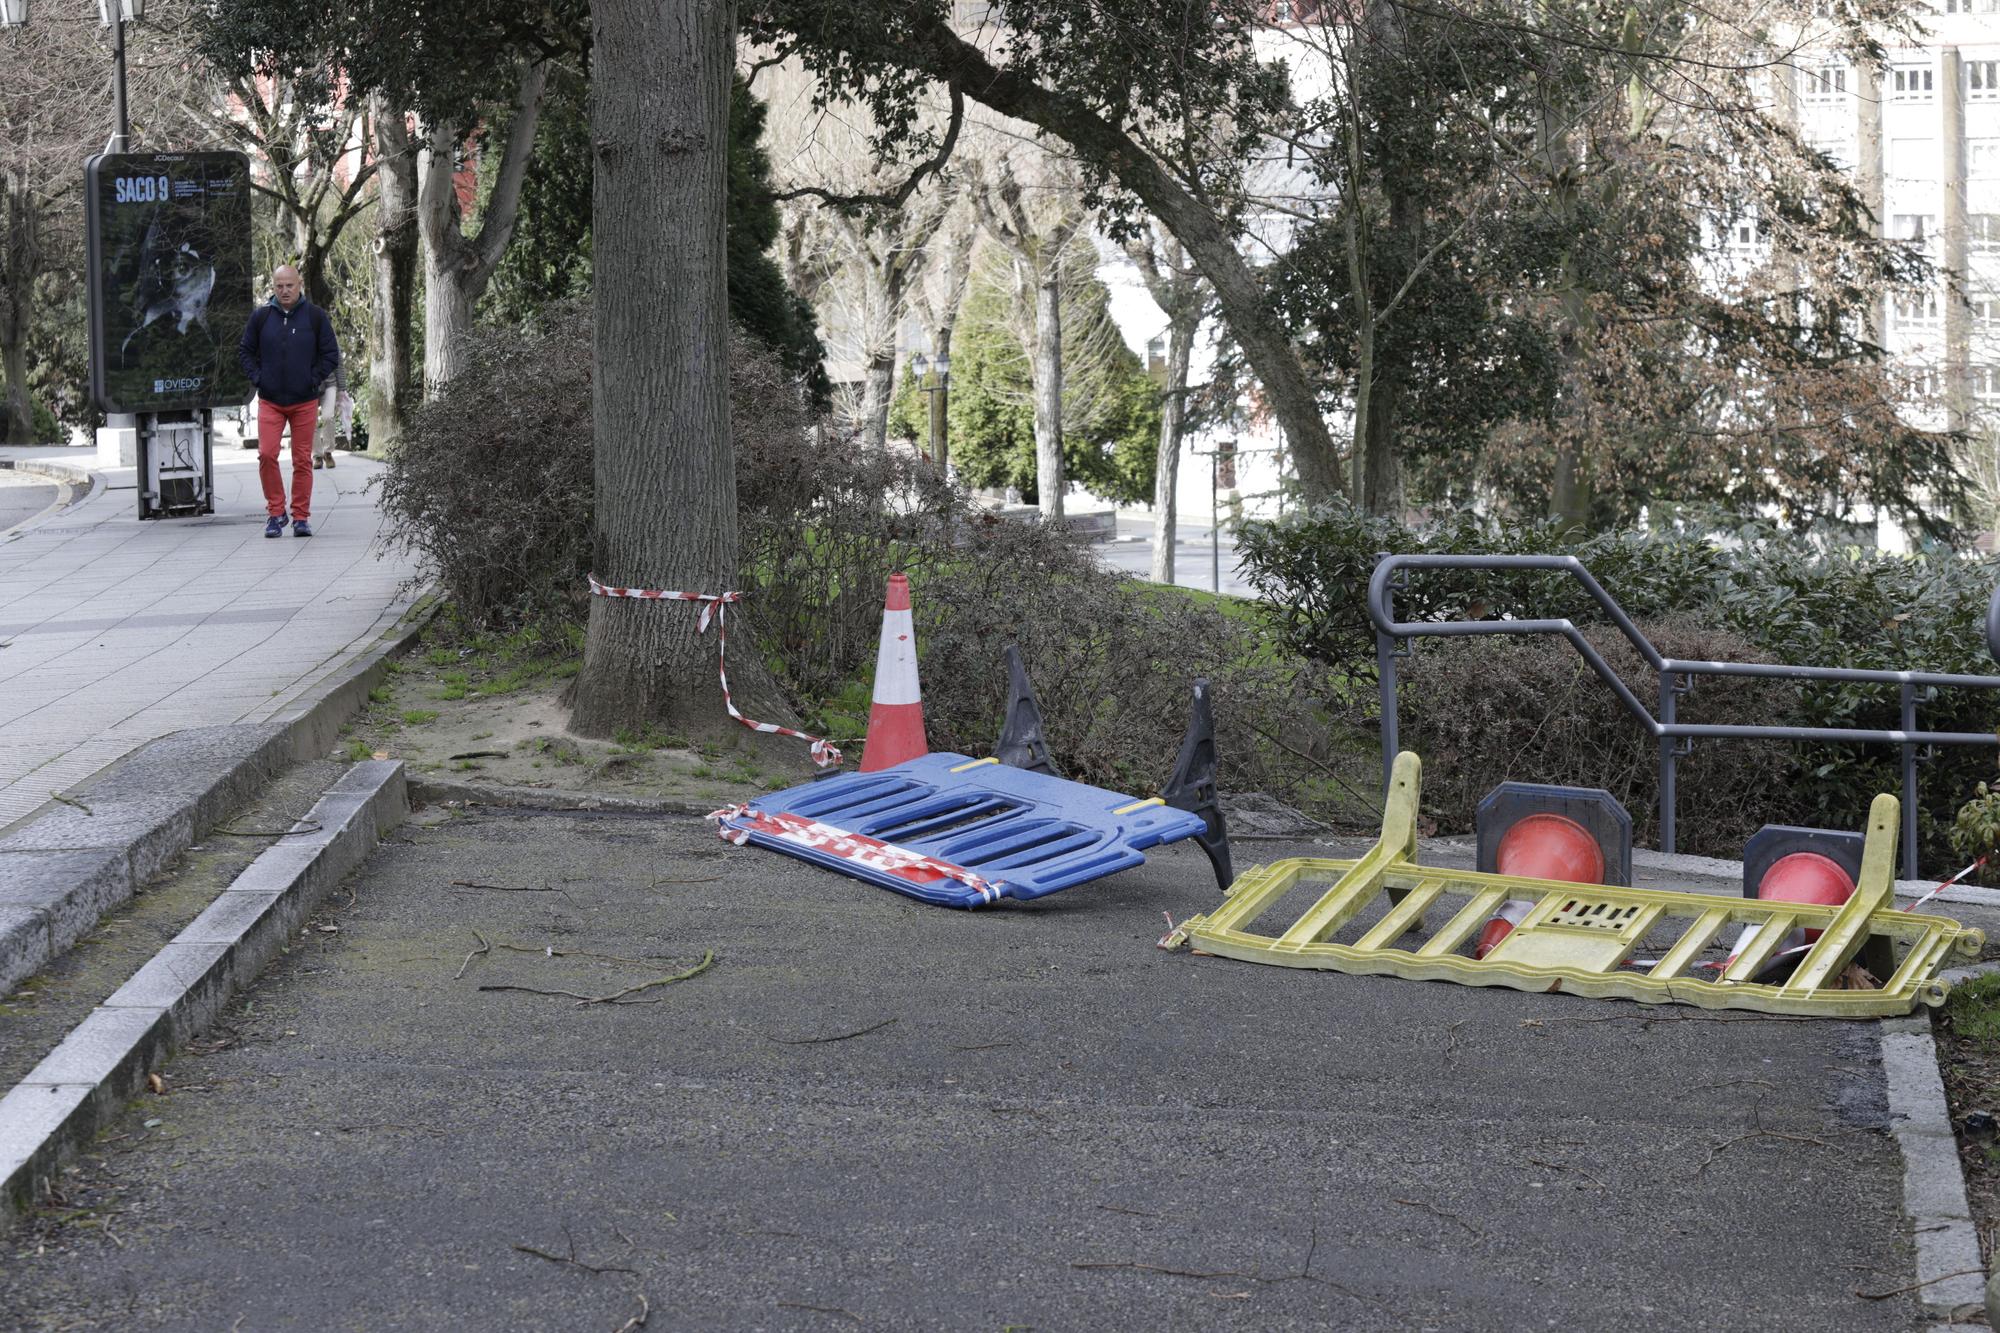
(115, 14)
(13, 13)
(939, 390)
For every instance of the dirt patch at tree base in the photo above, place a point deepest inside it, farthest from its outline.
(489, 722)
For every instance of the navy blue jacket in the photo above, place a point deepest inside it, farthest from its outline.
(288, 354)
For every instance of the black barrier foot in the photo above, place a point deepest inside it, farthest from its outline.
(1192, 786)
(1021, 743)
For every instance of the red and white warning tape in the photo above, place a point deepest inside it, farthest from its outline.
(857, 847)
(824, 753)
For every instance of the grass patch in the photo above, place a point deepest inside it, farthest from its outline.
(416, 717)
(356, 751)
(1974, 1009)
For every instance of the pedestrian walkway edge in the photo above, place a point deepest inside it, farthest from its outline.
(1948, 1262)
(104, 1061)
(66, 864)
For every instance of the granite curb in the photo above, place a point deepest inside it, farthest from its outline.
(86, 481)
(104, 1061)
(64, 866)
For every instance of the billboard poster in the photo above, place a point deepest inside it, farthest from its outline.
(170, 283)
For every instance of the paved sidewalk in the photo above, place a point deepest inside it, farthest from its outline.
(117, 632)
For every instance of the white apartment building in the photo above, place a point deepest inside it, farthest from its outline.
(1921, 134)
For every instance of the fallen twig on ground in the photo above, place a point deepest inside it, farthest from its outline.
(820, 1041)
(1561, 1166)
(550, 951)
(1129, 1212)
(1757, 1132)
(484, 947)
(669, 879)
(504, 888)
(1916, 1286)
(479, 754)
(638, 1320)
(572, 1260)
(1156, 1268)
(989, 1046)
(71, 800)
(616, 997)
(1433, 1208)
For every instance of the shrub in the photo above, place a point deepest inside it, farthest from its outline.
(1486, 711)
(491, 486)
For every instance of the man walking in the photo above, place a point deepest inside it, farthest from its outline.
(289, 353)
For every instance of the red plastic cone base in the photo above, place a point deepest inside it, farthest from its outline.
(1548, 846)
(895, 734)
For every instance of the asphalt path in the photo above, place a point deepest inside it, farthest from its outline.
(22, 500)
(872, 1113)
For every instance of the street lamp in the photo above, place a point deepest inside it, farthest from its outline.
(939, 390)
(115, 14)
(13, 13)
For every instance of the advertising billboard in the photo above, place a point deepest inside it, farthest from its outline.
(168, 238)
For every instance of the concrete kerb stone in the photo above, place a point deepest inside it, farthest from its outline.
(1948, 1262)
(104, 1061)
(85, 481)
(148, 808)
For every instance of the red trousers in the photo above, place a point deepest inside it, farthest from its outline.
(271, 422)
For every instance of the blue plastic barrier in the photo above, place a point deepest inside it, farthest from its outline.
(961, 832)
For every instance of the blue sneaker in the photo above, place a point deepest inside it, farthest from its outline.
(301, 528)
(274, 526)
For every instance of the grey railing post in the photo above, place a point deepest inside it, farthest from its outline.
(1385, 671)
(1668, 696)
(1909, 782)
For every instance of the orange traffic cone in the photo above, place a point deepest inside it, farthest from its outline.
(896, 721)
(1541, 846)
(1802, 877)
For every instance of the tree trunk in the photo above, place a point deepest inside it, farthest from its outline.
(1048, 386)
(1167, 467)
(17, 269)
(1382, 475)
(14, 369)
(457, 267)
(665, 471)
(1569, 495)
(395, 278)
(877, 389)
(948, 57)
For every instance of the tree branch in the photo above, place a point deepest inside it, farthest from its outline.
(901, 194)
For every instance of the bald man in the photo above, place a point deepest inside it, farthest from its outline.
(289, 353)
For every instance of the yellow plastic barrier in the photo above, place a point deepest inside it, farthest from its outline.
(1581, 938)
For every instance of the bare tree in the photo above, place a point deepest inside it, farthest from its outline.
(395, 276)
(316, 159)
(55, 111)
(881, 254)
(458, 266)
(1036, 230)
(1177, 288)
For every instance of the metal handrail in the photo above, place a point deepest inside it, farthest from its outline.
(1675, 676)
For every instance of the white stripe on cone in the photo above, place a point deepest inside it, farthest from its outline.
(896, 720)
(1502, 924)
